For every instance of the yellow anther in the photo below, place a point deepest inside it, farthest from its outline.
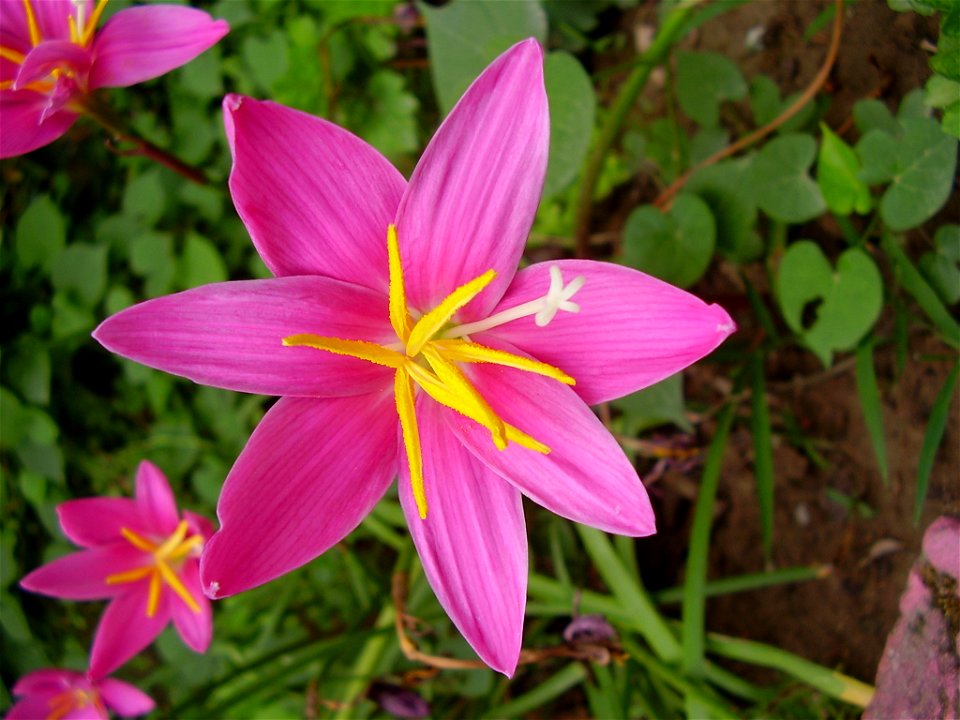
(32, 26)
(153, 599)
(433, 322)
(137, 541)
(464, 351)
(399, 315)
(12, 55)
(92, 23)
(177, 586)
(360, 349)
(172, 542)
(406, 410)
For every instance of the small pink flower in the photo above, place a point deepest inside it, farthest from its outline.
(51, 57)
(406, 343)
(141, 555)
(66, 695)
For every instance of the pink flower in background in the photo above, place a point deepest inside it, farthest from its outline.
(66, 695)
(405, 341)
(141, 555)
(51, 57)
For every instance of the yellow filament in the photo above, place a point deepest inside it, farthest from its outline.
(92, 22)
(74, 33)
(137, 541)
(154, 598)
(450, 375)
(32, 24)
(177, 586)
(464, 351)
(406, 409)
(186, 547)
(399, 315)
(361, 349)
(433, 322)
(11, 55)
(128, 576)
(170, 544)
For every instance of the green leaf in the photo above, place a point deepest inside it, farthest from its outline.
(266, 58)
(203, 76)
(869, 392)
(779, 179)
(29, 372)
(936, 426)
(70, 318)
(762, 451)
(200, 263)
(389, 120)
(734, 211)
(923, 174)
(658, 404)
(878, 152)
(872, 114)
(676, 246)
(764, 100)
(942, 267)
(837, 168)
(947, 60)
(912, 107)
(151, 257)
(846, 301)
(81, 270)
(573, 106)
(144, 198)
(704, 80)
(464, 37)
(12, 419)
(41, 234)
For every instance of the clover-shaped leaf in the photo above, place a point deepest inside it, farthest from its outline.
(942, 267)
(734, 211)
(829, 309)
(573, 105)
(676, 246)
(780, 182)
(837, 168)
(704, 80)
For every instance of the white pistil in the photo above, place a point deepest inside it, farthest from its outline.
(80, 7)
(543, 308)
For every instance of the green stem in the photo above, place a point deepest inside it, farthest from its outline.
(109, 121)
(557, 684)
(751, 581)
(670, 32)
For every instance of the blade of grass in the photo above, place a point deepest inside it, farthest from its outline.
(554, 686)
(696, 575)
(630, 593)
(835, 684)
(931, 440)
(869, 393)
(926, 298)
(750, 581)
(762, 451)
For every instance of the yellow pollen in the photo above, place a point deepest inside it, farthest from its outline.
(429, 362)
(172, 550)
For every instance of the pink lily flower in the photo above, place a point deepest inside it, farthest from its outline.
(141, 555)
(404, 342)
(51, 57)
(67, 695)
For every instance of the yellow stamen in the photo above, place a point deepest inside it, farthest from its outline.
(450, 375)
(185, 548)
(74, 32)
(92, 22)
(35, 37)
(406, 409)
(399, 315)
(171, 543)
(433, 322)
(464, 351)
(137, 541)
(361, 349)
(153, 600)
(129, 576)
(12, 55)
(177, 586)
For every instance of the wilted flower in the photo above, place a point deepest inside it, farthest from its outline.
(66, 695)
(405, 342)
(141, 555)
(51, 56)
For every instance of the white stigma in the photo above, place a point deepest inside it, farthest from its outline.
(544, 309)
(79, 7)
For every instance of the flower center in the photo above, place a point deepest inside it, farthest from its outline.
(81, 34)
(429, 350)
(62, 704)
(164, 557)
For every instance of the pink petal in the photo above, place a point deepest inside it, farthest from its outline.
(632, 330)
(316, 199)
(51, 16)
(89, 522)
(24, 126)
(124, 699)
(47, 680)
(230, 335)
(82, 575)
(472, 197)
(30, 708)
(198, 524)
(196, 629)
(50, 56)
(155, 501)
(309, 474)
(141, 43)
(585, 477)
(473, 542)
(125, 629)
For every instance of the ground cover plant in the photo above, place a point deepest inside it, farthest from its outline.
(777, 160)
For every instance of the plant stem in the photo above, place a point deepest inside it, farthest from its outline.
(670, 31)
(108, 120)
